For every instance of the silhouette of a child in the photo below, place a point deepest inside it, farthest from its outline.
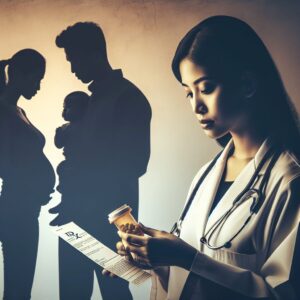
(75, 105)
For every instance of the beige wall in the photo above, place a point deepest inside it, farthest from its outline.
(141, 37)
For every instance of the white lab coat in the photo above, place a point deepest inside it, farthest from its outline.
(262, 260)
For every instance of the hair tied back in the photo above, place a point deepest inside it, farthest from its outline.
(3, 64)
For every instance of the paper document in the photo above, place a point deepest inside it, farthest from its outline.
(100, 254)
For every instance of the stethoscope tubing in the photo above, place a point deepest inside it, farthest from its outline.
(205, 239)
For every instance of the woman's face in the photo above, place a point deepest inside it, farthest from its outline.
(217, 107)
(31, 84)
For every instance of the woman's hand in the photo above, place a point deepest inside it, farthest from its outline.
(108, 273)
(156, 248)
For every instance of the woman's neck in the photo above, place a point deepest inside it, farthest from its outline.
(246, 145)
(10, 96)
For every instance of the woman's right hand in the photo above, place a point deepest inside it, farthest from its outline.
(157, 248)
(126, 228)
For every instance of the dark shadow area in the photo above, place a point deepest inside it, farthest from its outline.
(28, 177)
(106, 152)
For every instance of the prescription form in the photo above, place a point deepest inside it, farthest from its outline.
(100, 254)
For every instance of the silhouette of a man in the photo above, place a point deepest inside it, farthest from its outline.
(111, 154)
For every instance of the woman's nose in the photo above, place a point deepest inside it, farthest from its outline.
(199, 107)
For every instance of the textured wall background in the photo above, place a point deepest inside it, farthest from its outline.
(142, 36)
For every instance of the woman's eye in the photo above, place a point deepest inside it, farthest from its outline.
(189, 95)
(207, 88)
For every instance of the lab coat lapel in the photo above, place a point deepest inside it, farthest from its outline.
(239, 184)
(209, 188)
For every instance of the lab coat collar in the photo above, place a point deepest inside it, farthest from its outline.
(263, 149)
(223, 157)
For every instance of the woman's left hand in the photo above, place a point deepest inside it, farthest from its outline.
(157, 248)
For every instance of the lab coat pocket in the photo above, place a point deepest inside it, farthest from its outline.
(241, 260)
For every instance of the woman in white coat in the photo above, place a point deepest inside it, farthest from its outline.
(239, 233)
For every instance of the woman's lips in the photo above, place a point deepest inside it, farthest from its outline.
(207, 124)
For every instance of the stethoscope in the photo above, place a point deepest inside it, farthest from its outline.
(248, 193)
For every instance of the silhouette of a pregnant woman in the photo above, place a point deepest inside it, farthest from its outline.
(27, 175)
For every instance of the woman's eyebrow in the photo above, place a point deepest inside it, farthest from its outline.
(197, 80)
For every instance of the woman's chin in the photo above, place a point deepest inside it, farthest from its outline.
(214, 134)
(211, 134)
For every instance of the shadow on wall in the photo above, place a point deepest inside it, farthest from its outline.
(28, 177)
(106, 144)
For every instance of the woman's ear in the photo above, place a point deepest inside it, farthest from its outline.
(248, 85)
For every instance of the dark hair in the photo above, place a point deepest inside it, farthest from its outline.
(228, 47)
(79, 97)
(83, 37)
(26, 61)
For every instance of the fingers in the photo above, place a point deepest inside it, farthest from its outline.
(105, 272)
(137, 251)
(131, 228)
(133, 239)
(148, 230)
(141, 262)
(134, 249)
(120, 246)
(108, 273)
(121, 249)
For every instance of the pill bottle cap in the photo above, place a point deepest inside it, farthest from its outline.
(118, 213)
